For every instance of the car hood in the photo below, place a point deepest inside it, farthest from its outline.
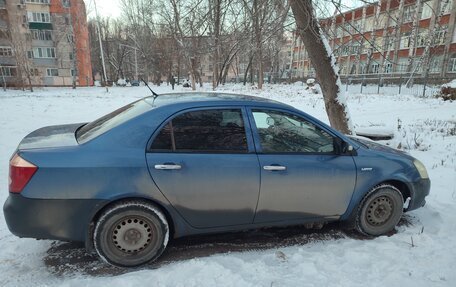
(51, 136)
(379, 147)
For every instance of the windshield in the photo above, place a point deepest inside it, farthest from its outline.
(109, 121)
(363, 142)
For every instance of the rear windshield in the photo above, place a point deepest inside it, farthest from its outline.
(109, 121)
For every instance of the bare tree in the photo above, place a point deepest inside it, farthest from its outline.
(19, 44)
(324, 63)
(432, 40)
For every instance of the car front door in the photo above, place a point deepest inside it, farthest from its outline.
(302, 174)
(204, 162)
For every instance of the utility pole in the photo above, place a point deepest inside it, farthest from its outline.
(101, 46)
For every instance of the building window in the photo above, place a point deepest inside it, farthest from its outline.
(388, 68)
(8, 71)
(409, 13)
(427, 10)
(71, 56)
(417, 66)
(375, 68)
(6, 51)
(389, 43)
(445, 7)
(355, 48)
(44, 35)
(38, 1)
(339, 31)
(366, 47)
(44, 52)
(66, 3)
(39, 17)
(70, 38)
(452, 64)
(369, 24)
(402, 65)
(405, 42)
(52, 72)
(422, 38)
(357, 26)
(34, 72)
(347, 28)
(440, 35)
(435, 66)
(362, 67)
(73, 73)
(345, 49)
(378, 43)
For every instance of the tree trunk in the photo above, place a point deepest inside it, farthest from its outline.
(217, 10)
(30, 82)
(324, 63)
(257, 13)
(249, 66)
(193, 72)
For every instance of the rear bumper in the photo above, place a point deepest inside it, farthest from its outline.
(50, 218)
(420, 189)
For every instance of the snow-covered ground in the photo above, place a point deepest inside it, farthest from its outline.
(421, 253)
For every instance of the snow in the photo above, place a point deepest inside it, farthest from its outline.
(421, 253)
(451, 85)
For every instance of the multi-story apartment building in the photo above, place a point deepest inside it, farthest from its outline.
(391, 37)
(44, 43)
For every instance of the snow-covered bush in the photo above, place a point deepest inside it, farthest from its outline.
(448, 91)
(421, 135)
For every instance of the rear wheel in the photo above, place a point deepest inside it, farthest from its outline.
(380, 210)
(130, 234)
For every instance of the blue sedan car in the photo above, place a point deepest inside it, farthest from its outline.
(184, 164)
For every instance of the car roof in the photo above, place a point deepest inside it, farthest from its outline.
(194, 99)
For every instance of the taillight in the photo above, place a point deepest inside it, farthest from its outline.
(20, 173)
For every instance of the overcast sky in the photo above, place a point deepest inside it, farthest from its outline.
(111, 7)
(105, 8)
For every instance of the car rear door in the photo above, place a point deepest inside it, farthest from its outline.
(203, 161)
(302, 176)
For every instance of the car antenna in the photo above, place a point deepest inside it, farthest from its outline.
(153, 93)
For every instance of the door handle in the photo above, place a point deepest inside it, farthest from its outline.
(168, 166)
(274, 167)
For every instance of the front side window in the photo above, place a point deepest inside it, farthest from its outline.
(286, 133)
(220, 130)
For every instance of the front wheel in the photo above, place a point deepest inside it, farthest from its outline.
(380, 210)
(130, 234)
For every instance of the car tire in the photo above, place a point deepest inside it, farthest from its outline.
(130, 234)
(380, 210)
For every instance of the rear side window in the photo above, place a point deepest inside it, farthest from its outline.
(220, 130)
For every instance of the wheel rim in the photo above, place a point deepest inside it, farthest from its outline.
(379, 211)
(131, 234)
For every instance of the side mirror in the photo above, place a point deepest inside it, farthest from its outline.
(342, 147)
